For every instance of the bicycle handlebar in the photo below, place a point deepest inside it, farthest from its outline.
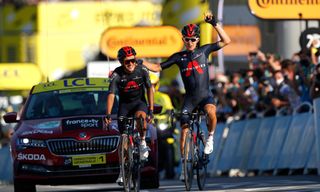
(201, 113)
(127, 118)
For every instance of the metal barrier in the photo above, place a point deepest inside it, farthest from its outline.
(5, 165)
(245, 144)
(218, 146)
(273, 149)
(304, 149)
(270, 144)
(312, 159)
(291, 141)
(231, 145)
(260, 146)
(316, 104)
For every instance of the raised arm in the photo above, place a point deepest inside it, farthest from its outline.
(224, 37)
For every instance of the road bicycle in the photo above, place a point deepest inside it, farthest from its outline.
(130, 154)
(194, 157)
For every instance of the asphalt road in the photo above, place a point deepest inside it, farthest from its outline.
(223, 184)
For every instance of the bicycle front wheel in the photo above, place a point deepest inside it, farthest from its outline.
(136, 168)
(188, 160)
(126, 163)
(201, 166)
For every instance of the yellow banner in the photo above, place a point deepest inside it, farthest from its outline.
(18, 18)
(147, 41)
(285, 9)
(179, 13)
(244, 39)
(18, 76)
(86, 16)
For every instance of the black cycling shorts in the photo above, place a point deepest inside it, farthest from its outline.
(190, 103)
(129, 109)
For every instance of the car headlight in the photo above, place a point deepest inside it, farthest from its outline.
(26, 142)
(163, 126)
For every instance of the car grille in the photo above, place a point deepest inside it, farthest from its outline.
(75, 147)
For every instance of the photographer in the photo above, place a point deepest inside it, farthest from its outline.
(315, 83)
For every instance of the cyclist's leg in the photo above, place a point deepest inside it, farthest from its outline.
(210, 109)
(141, 112)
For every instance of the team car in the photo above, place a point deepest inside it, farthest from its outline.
(60, 137)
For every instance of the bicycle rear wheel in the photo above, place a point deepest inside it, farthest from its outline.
(136, 169)
(201, 167)
(126, 163)
(188, 160)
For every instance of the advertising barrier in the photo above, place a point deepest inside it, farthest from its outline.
(227, 158)
(291, 142)
(246, 143)
(275, 143)
(262, 139)
(6, 169)
(304, 150)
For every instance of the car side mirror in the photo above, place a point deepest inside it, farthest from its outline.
(157, 109)
(10, 117)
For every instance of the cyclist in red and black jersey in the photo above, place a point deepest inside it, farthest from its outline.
(193, 67)
(129, 81)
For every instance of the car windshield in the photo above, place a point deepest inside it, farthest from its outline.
(54, 104)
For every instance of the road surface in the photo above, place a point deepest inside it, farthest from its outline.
(299, 183)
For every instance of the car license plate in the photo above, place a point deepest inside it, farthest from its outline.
(88, 160)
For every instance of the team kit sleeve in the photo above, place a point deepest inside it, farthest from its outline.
(114, 80)
(173, 59)
(146, 76)
(209, 48)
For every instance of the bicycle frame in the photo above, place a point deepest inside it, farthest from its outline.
(130, 155)
(194, 157)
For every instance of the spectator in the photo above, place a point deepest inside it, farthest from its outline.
(274, 61)
(284, 95)
(314, 51)
(315, 83)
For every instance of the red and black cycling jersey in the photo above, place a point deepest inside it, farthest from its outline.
(193, 68)
(130, 86)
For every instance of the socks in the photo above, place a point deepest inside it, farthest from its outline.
(210, 135)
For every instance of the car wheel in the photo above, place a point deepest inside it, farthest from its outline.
(23, 187)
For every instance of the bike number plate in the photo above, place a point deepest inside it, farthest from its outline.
(88, 160)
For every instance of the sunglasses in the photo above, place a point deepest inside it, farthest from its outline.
(126, 62)
(186, 39)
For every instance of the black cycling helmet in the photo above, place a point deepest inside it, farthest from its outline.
(124, 52)
(191, 30)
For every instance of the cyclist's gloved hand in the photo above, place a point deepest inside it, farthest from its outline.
(210, 18)
(107, 119)
(150, 115)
